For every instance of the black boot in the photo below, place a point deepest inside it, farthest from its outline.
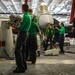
(38, 53)
(33, 62)
(17, 70)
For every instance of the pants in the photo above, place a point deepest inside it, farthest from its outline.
(31, 47)
(61, 42)
(20, 50)
(51, 43)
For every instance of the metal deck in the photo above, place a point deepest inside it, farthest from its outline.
(64, 64)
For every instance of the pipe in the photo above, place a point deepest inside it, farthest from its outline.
(26, 1)
(72, 11)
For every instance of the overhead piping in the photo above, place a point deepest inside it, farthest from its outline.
(72, 11)
(26, 1)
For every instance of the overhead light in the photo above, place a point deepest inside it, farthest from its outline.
(43, 3)
(34, 1)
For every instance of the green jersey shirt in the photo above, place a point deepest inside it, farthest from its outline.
(26, 23)
(50, 32)
(62, 30)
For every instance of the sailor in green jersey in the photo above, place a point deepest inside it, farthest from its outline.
(50, 33)
(32, 15)
(35, 18)
(31, 45)
(21, 65)
(61, 37)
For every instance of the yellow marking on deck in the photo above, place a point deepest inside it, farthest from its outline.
(28, 62)
(54, 61)
(13, 62)
(2, 59)
(51, 61)
(68, 61)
